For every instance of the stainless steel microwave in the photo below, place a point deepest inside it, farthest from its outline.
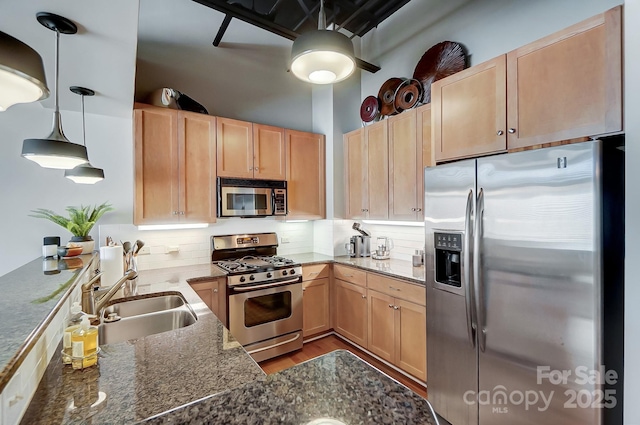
(251, 198)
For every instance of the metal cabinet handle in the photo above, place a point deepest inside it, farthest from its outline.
(304, 289)
(512, 130)
(418, 209)
(394, 289)
(174, 212)
(364, 296)
(395, 307)
(181, 212)
(390, 305)
(215, 291)
(500, 133)
(256, 169)
(314, 273)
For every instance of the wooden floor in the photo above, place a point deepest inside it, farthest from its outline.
(330, 343)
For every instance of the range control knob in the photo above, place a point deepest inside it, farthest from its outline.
(252, 277)
(269, 275)
(284, 272)
(292, 271)
(242, 279)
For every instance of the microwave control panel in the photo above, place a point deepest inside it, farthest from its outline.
(279, 202)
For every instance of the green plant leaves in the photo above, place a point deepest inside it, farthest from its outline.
(81, 219)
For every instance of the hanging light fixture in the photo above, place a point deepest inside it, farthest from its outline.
(56, 151)
(84, 173)
(322, 56)
(22, 78)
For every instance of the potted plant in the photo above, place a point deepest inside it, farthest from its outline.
(80, 222)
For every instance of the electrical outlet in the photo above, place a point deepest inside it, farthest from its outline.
(145, 250)
(172, 248)
(284, 240)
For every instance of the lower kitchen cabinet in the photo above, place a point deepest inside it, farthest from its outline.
(315, 307)
(351, 312)
(213, 294)
(381, 325)
(410, 338)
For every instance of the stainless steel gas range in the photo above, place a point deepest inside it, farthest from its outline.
(264, 293)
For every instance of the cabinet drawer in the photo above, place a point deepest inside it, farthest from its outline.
(350, 274)
(397, 288)
(315, 271)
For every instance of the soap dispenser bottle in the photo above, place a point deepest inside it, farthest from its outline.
(84, 345)
(75, 318)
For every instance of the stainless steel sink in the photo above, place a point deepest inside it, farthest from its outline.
(146, 316)
(131, 308)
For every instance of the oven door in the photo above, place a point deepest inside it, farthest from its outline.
(257, 315)
(245, 201)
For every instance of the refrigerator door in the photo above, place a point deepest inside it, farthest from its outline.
(539, 286)
(451, 353)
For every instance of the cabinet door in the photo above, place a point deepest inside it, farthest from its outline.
(268, 152)
(235, 148)
(209, 292)
(469, 111)
(428, 152)
(405, 167)
(306, 194)
(197, 152)
(156, 165)
(315, 307)
(411, 338)
(381, 325)
(355, 166)
(376, 143)
(351, 312)
(567, 85)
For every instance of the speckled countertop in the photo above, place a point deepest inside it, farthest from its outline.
(140, 378)
(391, 267)
(30, 298)
(337, 385)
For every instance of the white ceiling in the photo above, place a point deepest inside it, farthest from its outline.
(101, 56)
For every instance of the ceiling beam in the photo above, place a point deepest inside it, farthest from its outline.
(222, 30)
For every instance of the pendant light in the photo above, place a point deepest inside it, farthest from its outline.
(84, 173)
(56, 151)
(22, 78)
(322, 56)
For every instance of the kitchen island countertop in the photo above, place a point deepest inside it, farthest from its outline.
(338, 385)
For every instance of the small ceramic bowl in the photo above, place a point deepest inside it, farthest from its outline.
(63, 251)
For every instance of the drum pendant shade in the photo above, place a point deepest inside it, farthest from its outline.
(22, 77)
(322, 56)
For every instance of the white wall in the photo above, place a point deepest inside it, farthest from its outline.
(27, 186)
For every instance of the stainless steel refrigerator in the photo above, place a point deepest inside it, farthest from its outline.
(524, 276)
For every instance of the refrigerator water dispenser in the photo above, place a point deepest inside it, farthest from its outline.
(448, 250)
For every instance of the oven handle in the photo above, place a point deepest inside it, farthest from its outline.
(257, 350)
(268, 285)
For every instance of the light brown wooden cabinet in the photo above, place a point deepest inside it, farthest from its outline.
(567, 85)
(564, 86)
(174, 166)
(305, 175)
(406, 164)
(366, 153)
(351, 312)
(381, 325)
(248, 150)
(316, 299)
(213, 294)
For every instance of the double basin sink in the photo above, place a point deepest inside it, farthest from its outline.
(132, 318)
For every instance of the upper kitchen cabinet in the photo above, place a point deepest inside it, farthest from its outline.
(247, 150)
(305, 175)
(174, 166)
(406, 163)
(567, 85)
(366, 153)
(469, 111)
(562, 87)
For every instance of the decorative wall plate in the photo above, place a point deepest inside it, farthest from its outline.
(441, 60)
(370, 109)
(387, 94)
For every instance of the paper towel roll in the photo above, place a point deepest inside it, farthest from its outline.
(111, 264)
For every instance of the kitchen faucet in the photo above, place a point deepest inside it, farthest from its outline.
(89, 303)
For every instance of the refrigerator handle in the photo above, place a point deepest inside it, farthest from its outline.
(471, 325)
(477, 274)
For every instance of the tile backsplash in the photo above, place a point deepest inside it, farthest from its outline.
(194, 245)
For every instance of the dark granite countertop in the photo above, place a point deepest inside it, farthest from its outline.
(143, 377)
(30, 298)
(338, 385)
(392, 267)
